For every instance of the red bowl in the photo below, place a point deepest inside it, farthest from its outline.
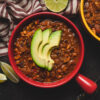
(26, 21)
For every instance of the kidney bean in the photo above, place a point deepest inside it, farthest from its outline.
(97, 28)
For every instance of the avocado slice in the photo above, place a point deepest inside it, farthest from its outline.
(54, 41)
(45, 35)
(42, 45)
(36, 41)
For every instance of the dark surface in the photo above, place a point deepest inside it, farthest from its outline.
(69, 91)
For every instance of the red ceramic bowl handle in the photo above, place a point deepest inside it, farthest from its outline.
(88, 85)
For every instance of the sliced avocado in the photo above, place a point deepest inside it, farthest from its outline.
(45, 35)
(36, 41)
(54, 41)
(42, 45)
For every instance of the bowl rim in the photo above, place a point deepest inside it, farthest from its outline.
(84, 21)
(52, 84)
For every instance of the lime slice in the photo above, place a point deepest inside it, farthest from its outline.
(3, 78)
(56, 5)
(9, 72)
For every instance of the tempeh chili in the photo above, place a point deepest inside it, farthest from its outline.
(65, 56)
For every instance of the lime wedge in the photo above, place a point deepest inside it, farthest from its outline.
(3, 78)
(56, 5)
(9, 72)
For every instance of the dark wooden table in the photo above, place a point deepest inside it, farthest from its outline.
(69, 91)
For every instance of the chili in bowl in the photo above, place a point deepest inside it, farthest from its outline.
(67, 53)
(90, 14)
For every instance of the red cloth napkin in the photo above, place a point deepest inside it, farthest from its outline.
(12, 11)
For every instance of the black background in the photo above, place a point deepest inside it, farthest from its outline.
(69, 91)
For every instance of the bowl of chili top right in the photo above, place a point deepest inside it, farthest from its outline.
(90, 14)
